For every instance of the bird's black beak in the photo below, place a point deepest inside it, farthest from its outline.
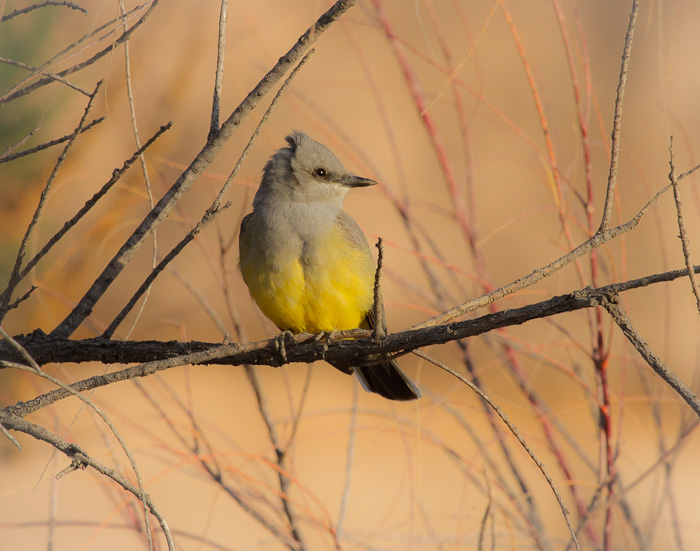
(351, 180)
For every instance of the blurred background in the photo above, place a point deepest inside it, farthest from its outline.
(487, 124)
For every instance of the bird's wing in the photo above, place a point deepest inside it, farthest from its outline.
(243, 241)
(356, 238)
(244, 224)
(352, 232)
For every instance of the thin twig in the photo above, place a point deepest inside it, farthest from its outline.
(685, 241)
(10, 148)
(600, 238)
(211, 465)
(349, 457)
(9, 436)
(38, 71)
(514, 430)
(219, 76)
(201, 299)
(207, 219)
(617, 120)
(379, 329)
(90, 203)
(280, 456)
(488, 515)
(142, 159)
(22, 11)
(21, 299)
(46, 145)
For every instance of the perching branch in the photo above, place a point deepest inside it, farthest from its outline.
(159, 356)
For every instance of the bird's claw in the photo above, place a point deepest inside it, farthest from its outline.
(328, 336)
(280, 344)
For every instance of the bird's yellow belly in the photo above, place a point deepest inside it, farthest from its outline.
(331, 291)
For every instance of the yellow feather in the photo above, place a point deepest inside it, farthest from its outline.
(331, 294)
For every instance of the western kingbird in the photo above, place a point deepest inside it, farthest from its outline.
(307, 263)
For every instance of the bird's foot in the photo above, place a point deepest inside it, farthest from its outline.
(280, 344)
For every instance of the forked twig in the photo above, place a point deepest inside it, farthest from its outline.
(533, 277)
(51, 76)
(89, 204)
(80, 459)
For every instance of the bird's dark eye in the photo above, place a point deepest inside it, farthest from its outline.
(321, 172)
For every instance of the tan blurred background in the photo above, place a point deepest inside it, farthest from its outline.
(365, 473)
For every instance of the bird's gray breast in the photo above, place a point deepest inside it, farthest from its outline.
(296, 231)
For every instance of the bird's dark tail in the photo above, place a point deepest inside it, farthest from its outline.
(383, 376)
(386, 379)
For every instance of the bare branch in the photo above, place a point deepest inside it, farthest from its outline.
(166, 355)
(280, 455)
(46, 145)
(188, 177)
(219, 76)
(685, 241)
(17, 92)
(620, 317)
(15, 276)
(80, 459)
(33, 7)
(617, 120)
(116, 175)
(600, 238)
(32, 367)
(38, 71)
(212, 212)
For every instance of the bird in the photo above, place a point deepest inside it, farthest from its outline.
(307, 263)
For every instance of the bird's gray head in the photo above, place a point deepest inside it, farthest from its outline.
(307, 171)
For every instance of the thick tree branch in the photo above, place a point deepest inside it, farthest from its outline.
(84, 307)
